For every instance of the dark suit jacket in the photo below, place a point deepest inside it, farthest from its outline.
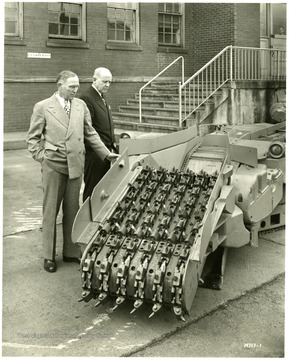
(100, 116)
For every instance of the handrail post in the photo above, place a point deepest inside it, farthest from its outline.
(278, 69)
(231, 63)
(183, 70)
(139, 99)
(180, 104)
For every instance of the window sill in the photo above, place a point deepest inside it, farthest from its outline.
(123, 46)
(67, 43)
(15, 41)
(172, 49)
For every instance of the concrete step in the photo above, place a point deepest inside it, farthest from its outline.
(158, 96)
(157, 128)
(168, 104)
(147, 103)
(158, 85)
(143, 127)
(195, 85)
(164, 90)
(15, 140)
(148, 110)
(150, 119)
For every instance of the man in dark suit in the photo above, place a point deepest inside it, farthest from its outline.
(95, 167)
(55, 138)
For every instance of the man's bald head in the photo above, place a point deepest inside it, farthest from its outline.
(102, 79)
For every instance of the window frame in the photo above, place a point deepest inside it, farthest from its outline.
(182, 28)
(120, 43)
(16, 36)
(65, 38)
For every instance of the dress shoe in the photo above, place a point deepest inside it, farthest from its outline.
(71, 259)
(50, 265)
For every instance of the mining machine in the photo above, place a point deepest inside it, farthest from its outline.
(161, 221)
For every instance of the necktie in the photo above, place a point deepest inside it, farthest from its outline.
(103, 99)
(66, 108)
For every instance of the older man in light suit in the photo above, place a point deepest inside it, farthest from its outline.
(55, 138)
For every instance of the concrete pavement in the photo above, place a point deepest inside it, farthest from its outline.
(41, 315)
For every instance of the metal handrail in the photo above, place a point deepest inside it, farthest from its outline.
(193, 77)
(148, 83)
(232, 63)
(205, 66)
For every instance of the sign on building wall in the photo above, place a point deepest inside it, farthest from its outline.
(39, 55)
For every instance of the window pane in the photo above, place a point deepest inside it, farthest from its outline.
(53, 17)
(110, 34)
(64, 19)
(11, 14)
(74, 30)
(119, 14)
(74, 8)
(176, 8)
(129, 15)
(66, 7)
(11, 19)
(74, 20)
(10, 27)
(119, 35)
(122, 5)
(64, 30)
(110, 12)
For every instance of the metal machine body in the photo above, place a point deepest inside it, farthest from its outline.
(159, 224)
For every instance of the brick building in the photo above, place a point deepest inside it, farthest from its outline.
(134, 40)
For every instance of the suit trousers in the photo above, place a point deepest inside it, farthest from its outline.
(57, 189)
(94, 170)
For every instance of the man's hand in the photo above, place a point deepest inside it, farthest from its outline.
(112, 157)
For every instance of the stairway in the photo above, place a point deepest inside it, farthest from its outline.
(160, 110)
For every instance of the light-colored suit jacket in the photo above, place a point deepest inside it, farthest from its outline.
(58, 141)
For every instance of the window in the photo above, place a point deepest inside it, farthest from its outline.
(122, 22)
(279, 19)
(66, 20)
(170, 24)
(14, 19)
(272, 19)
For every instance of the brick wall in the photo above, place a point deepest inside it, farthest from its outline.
(209, 27)
(19, 99)
(247, 28)
(212, 29)
(18, 109)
